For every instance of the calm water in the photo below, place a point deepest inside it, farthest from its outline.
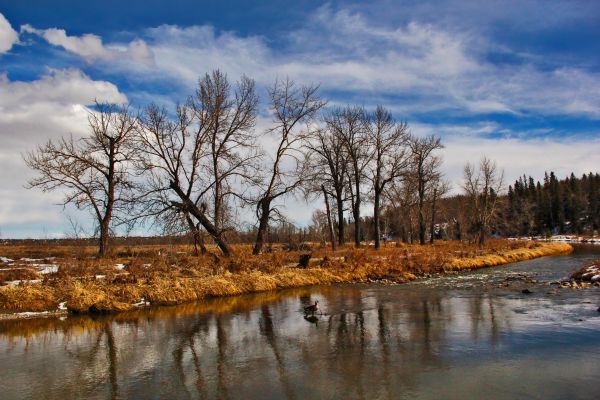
(458, 337)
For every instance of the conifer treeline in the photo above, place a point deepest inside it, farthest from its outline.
(553, 206)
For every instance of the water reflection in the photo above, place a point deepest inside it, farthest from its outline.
(408, 341)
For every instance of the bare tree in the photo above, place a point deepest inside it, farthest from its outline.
(199, 155)
(390, 160)
(402, 197)
(330, 169)
(329, 223)
(227, 120)
(94, 170)
(439, 188)
(482, 184)
(291, 107)
(425, 169)
(171, 154)
(349, 124)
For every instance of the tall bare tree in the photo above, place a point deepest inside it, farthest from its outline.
(425, 169)
(227, 118)
(388, 140)
(349, 124)
(439, 188)
(291, 107)
(482, 185)
(94, 170)
(196, 156)
(330, 170)
(402, 196)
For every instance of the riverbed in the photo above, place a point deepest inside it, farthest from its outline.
(470, 335)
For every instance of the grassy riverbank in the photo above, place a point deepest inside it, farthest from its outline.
(159, 275)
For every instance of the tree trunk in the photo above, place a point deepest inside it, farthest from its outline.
(421, 227)
(376, 220)
(110, 201)
(329, 224)
(339, 199)
(263, 226)
(104, 237)
(189, 206)
(198, 239)
(340, 215)
(356, 214)
(458, 229)
(432, 217)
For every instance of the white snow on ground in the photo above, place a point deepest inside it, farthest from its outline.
(6, 260)
(62, 306)
(120, 266)
(100, 276)
(48, 268)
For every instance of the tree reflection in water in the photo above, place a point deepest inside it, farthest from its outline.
(370, 342)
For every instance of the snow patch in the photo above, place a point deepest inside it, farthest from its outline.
(6, 260)
(48, 268)
(120, 266)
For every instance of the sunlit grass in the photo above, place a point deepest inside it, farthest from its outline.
(169, 275)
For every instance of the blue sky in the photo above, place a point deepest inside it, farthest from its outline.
(517, 81)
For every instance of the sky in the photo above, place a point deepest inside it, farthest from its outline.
(516, 81)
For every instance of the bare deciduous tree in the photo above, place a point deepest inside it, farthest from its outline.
(291, 107)
(349, 124)
(389, 141)
(425, 169)
(199, 154)
(330, 169)
(171, 160)
(227, 120)
(329, 223)
(95, 170)
(439, 188)
(482, 185)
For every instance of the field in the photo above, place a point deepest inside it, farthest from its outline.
(49, 277)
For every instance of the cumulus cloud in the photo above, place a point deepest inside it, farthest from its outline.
(32, 113)
(91, 48)
(8, 36)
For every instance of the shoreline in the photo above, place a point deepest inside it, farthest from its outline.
(135, 291)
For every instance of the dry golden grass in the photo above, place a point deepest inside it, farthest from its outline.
(169, 276)
(508, 256)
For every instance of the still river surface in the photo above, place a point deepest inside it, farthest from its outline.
(455, 337)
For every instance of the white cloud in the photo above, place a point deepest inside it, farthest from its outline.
(91, 48)
(515, 153)
(8, 36)
(411, 66)
(442, 69)
(30, 114)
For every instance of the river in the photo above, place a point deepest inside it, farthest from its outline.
(471, 335)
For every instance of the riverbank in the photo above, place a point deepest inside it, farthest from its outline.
(155, 276)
